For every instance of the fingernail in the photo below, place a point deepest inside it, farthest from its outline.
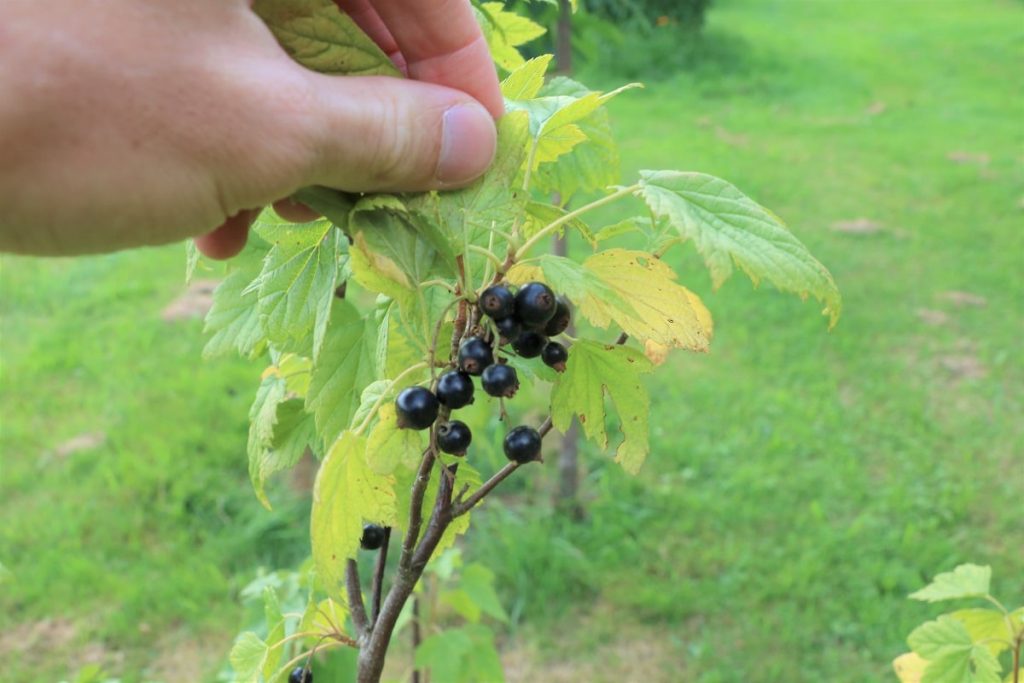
(468, 141)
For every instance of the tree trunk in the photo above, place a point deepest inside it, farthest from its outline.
(563, 38)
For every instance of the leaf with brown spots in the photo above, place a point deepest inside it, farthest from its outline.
(592, 370)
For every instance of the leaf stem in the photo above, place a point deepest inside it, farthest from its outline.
(572, 215)
(437, 283)
(528, 176)
(484, 252)
(303, 634)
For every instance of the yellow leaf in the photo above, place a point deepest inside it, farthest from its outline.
(655, 352)
(388, 446)
(662, 310)
(346, 494)
(909, 667)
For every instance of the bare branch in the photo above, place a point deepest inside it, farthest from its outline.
(355, 597)
(378, 577)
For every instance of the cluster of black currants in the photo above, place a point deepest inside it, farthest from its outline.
(525, 319)
(300, 674)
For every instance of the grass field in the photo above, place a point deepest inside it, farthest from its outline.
(802, 482)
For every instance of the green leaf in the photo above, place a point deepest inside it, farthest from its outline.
(555, 119)
(475, 595)
(728, 227)
(525, 82)
(461, 655)
(388, 446)
(346, 494)
(247, 657)
(276, 631)
(629, 288)
(966, 581)
(985, 625)
(345, 367)
(952, 655)
(390, 253)
(321, 37)
(233, 320)
(504, 32)
(590, 166)
(941, 637)
(592, 370)
(262, 418)
(491, 200)
(541, 214)
(296, 289)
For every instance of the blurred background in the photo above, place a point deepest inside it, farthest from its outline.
(801, 482)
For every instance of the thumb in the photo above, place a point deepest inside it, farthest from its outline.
(380, 134)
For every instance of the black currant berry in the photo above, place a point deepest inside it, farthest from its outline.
(474, 355)
(373, 537)
(454, 437)
(529, 344)
(497, 302)
(417, 408)
(560, 322)
(535, 305)
(522, 445)
(554, 356)
(509, 329)
(455, 389)
(300, 675)
(500, 381)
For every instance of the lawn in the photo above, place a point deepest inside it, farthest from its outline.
(801, 483)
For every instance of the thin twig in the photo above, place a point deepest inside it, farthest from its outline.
(417, 636)
(378, 577)
(566, 218)
(355, 597)
(419, 488)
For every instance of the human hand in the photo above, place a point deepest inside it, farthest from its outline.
(133, 122)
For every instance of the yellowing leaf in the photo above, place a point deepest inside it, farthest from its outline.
(655, 352)
(321, 37)
(346, 494)
(505, 31)
(909, 667)
(388, 446)
(592, 370)
(985, 625)
(525, 82)
(631, 289)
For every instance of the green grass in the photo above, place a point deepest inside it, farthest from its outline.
(801, 482)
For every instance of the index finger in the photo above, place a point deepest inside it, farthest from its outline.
(443, 44)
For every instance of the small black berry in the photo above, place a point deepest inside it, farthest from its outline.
(529, 344)
(454, 437)
(500, 380)
(417, 408)
(497, 302)
(373, 537)
(522, 445)
(535, 305)
(300, 675)
(554, 356)
(455, 389)
(474, 355)
(509, 329)
(559, 323)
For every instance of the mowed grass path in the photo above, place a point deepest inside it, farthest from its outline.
(802, 482)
